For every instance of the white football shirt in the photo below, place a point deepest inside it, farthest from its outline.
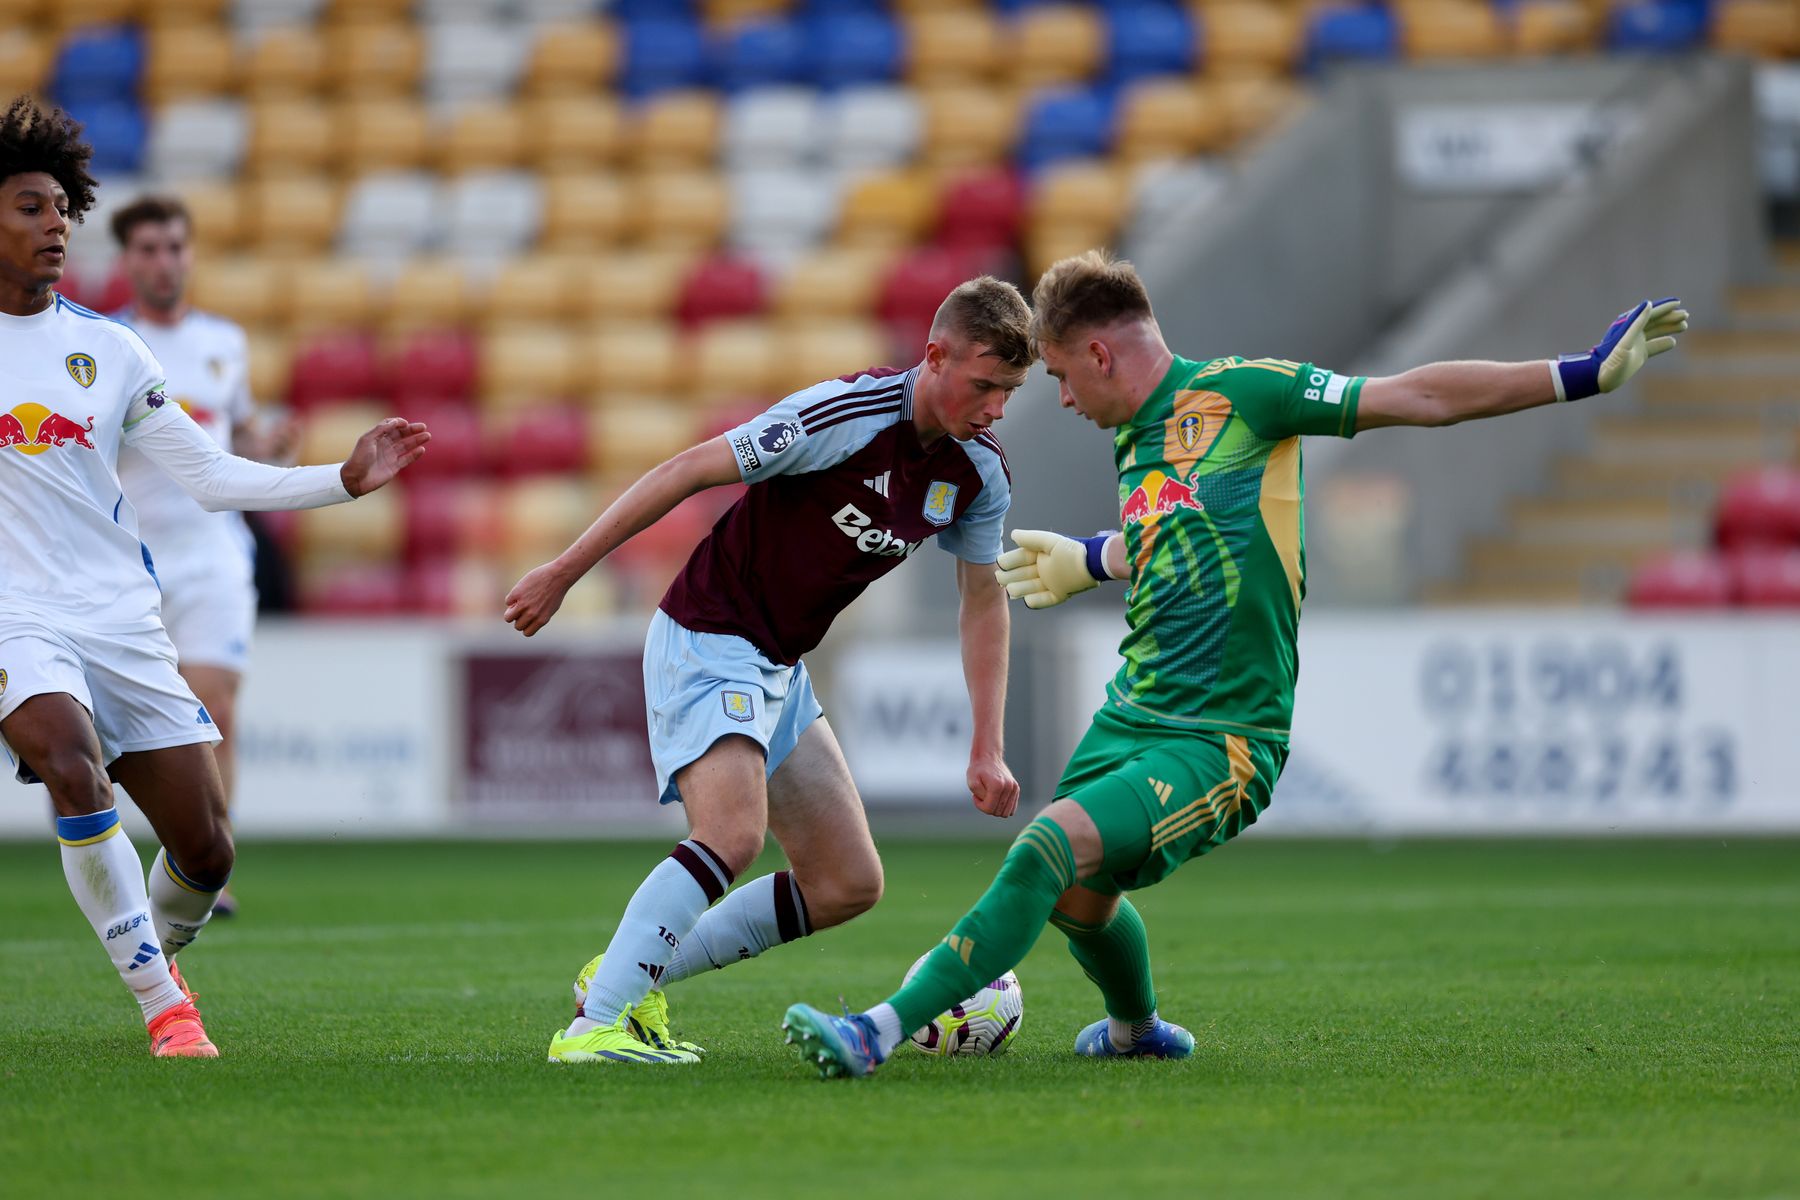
(74, 386)
(206, 361)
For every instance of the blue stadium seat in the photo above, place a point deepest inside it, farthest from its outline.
(809, 9)
(757, 54)
(117, 131)
(103, 63)
(1066, 123)
(1359, 32)
(1657, 25)
(660, 55)
(849, 49)
(653, 10)
(1150, 39)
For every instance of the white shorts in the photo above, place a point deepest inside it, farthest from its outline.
(210, 620)
(700, 687)
(126, 681)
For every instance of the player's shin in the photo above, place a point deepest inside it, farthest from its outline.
(765, 912)
(1116, 956)
(993, 937)
(107, 880)
(180, 904)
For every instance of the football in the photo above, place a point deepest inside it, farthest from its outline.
(983, 1024)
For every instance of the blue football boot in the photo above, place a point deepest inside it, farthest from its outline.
(840, 1047)
(1164, 1041)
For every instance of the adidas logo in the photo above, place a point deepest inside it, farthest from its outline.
(1163, 790)
(879, 484)
(655, 973)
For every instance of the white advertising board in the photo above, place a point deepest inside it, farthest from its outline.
(901, 712)
(1506, 722)
(1502, 147)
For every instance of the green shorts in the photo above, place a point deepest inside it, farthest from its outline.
(1161, 797)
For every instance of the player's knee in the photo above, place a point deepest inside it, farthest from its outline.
(738, 843)
(77, 782)
(208, 858)
(836, 898)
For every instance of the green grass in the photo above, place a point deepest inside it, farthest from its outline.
(1504, 1019)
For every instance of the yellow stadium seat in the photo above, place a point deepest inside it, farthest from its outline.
(287, 136)
(824, 349)
(534, 288)
(719, 13)
(952, 45)
(1554, 27)
(564, 132)
(373, 59)
(583, 210)
(627, 440)
(1764, 28)
(1168, 118)
(840, 281)
(271, 357)
(249, 291)
(574, 59)
(1078, 193)
(329, 293)
(1255, 35)
(484, 137)
(730, 360)
(887, 208)
(1046, 244)
(635, 358)
(381, 135)
(540, 517)
(429, 293)
(371, 530)
(633, 285)
(185, 12)
(968, 126)
(679, 209)
(1451, 29)
(217, 213)
(1253, 104)
(528, 365)
(187, 61)
(285, 63)
(291, 213)
(912, 7)
(675, 129)
(65, 15)
(1057, 43)
(361, 12)
(24, 60)
(327, 435)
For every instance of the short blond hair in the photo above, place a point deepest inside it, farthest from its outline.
(1088, 290)
(989, 312)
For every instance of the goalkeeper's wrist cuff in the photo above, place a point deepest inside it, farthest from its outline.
(1576, 376)
(1096, 554)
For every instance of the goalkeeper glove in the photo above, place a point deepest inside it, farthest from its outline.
(1638, 335)
(1048, 568)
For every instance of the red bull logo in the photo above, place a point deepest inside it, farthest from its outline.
(33, 429)
(1158, 494)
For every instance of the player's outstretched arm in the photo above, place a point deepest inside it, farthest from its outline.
(218, 480)
(1047, 568)
(984, 627)
(1450, 392)
(535, 598)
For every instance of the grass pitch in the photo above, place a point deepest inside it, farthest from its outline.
(1430, 1020)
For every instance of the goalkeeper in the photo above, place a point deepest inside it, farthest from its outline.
(1186, 749)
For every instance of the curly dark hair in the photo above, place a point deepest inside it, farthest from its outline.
(32, 139)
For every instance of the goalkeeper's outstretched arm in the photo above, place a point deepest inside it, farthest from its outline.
(1450, 392)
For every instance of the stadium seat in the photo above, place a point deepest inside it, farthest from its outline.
(434, 366)
(198, 139)
(540, 440)
(914, 287)
(186, 12)
(428, 294)
(271, 362)
(1055, 44)
(333, 367)
(469, 60)
(483, 136)
(527, 365)
(1066, 123)
(98, 65)
(188, 61)
(1045, 244)
(381, 134)
(1451, 29)
(1341, 32)
(454, 587)
(373, 58)
(639, 285)
(116, 130)
(834, 282)
(627, 440)
(291, 135)
(1657, 26)
(851, 49)
(755, 54)
(1759, 509)
(679, 210)
(351, 13)
(1253, 104)
(980, 209)
(826, 349)
(24, 60)
(564, 132)
(1163, 119)
(1149, 39)
(285, 63)
(728, 361)
(1262, 36)
(583, 210)
(678, 128)
(952, 46)
(489, 215)
(66, 16)
(887, 208)
(719, 287)
(661, 54)
(337, 588)
(540, 517)
(1681, 580)
(533, 288)
(391, 214)
(778, 213)
(1765, 28)
(968, 126)
(254, 17)
(292, 213)
(431, 505)
(330, 293)
(247, 290)
(1078, 191)
(869, 127)
(372, 529)
(633, 358)
(1553, 27)
(572, 60)
(217, 213)
(771, 128)
(1765, 578)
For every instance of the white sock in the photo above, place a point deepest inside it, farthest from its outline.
(765, 912)
(888, 1033)
(181, 907)
(661, 913)
(107, 879)
(1126, 1034)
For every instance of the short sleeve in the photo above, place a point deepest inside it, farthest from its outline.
(1280, 399)
(147, 403)
(812, 429)
(977, 535)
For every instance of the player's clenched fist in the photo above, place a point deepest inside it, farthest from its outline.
(993, 787)
(1048, 568)
(535, 598)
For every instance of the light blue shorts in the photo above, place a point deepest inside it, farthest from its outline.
(700, 687)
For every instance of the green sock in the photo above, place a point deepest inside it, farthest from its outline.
(995, 935)
(1116, 957)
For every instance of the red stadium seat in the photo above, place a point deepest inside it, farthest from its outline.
(1765, 578)
(433, 517)
(435, 365)
(360, 590)
(721, 287)
(982, 208)
(1759, 509)
(336, 366)
(913, 290)
(1683, 579)
(539, 441)
(458, 443)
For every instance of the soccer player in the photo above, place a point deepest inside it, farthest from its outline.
(847, 479)
(89, 693)
(1186, 749)
(205, 561)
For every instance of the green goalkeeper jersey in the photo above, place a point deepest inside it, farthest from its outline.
(1210, 505)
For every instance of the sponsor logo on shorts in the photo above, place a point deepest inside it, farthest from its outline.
(940, 502)
(82, 369)
(738, 706)
(746, 453)
(778, 437)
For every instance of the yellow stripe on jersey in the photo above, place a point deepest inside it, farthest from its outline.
(1280, 507)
